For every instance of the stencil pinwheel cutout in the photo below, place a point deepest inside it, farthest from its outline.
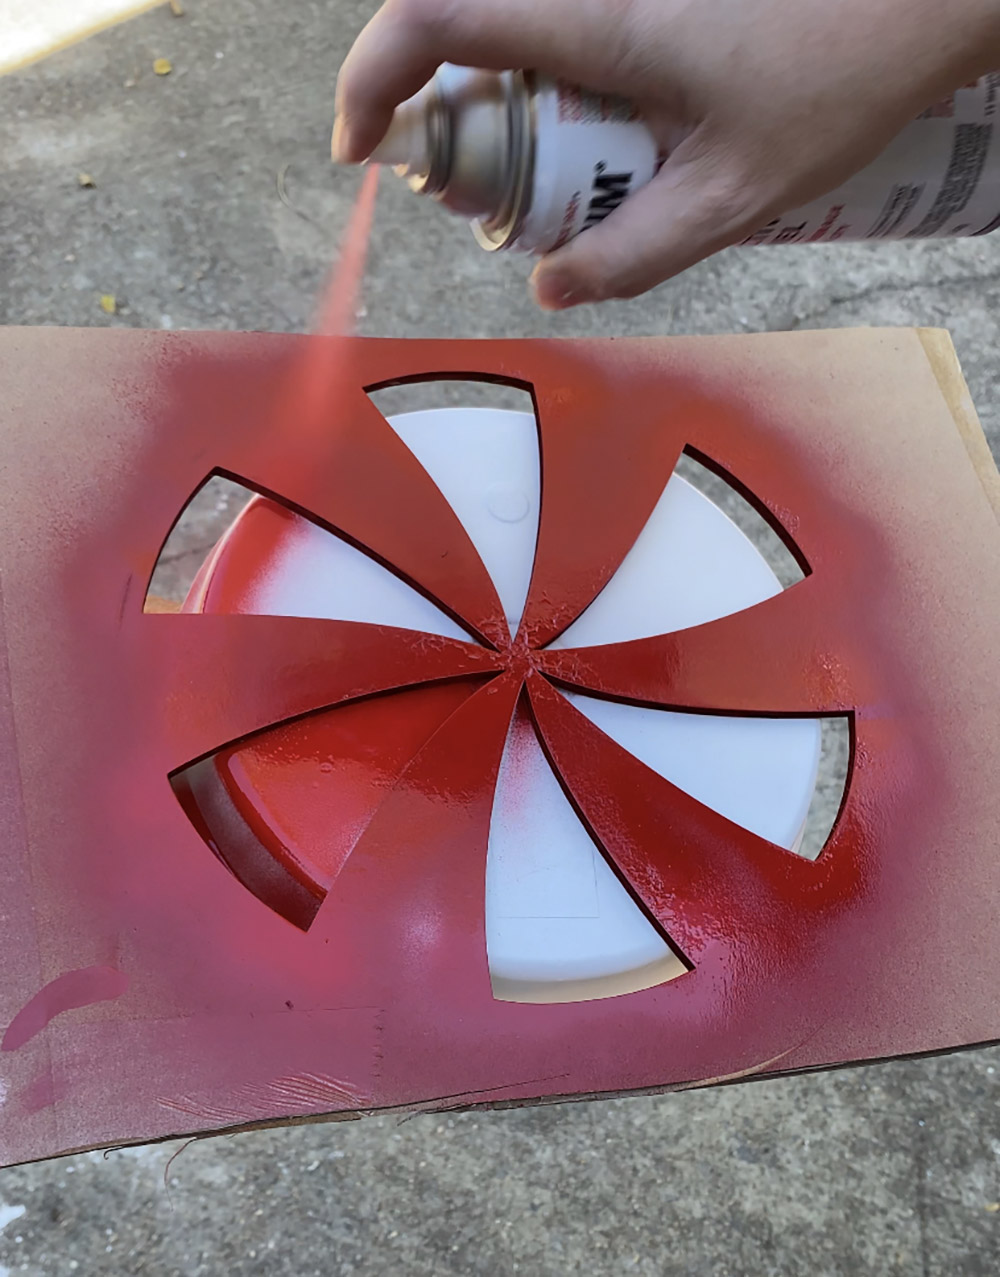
(637, 698)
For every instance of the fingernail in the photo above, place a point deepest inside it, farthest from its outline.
(554, 290)
(338, 145)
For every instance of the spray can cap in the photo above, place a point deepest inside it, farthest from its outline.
(465, 140)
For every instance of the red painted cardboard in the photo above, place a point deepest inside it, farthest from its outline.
(147, 991)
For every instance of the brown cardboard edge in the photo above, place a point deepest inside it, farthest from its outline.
(943, 358)
(463, 1104)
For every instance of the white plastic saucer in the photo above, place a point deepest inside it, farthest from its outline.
(559, 924)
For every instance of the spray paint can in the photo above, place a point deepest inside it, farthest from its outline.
(532, 162)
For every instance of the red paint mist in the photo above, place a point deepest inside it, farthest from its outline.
(312, 397)
(338, 306)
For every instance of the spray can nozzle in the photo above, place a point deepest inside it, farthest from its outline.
(471, 140)
(406, 146)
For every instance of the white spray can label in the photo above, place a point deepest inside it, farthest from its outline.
(541, 161)
(939, 178)
(591, 153)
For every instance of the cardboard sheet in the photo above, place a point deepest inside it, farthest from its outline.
(147, 991)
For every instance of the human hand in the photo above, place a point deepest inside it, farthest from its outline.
(760, 105)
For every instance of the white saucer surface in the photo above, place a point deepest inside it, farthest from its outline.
(560, 925)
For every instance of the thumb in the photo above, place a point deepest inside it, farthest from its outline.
(692, 208)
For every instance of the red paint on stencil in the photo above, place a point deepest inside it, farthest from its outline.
(738, 906)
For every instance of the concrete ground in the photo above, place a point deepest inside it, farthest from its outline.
(214, 206)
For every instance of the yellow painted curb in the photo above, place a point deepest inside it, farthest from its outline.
(32, 29)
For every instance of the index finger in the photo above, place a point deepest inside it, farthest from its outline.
(407, 40)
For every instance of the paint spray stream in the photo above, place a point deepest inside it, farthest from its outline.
(310, 400)
(338, 305)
